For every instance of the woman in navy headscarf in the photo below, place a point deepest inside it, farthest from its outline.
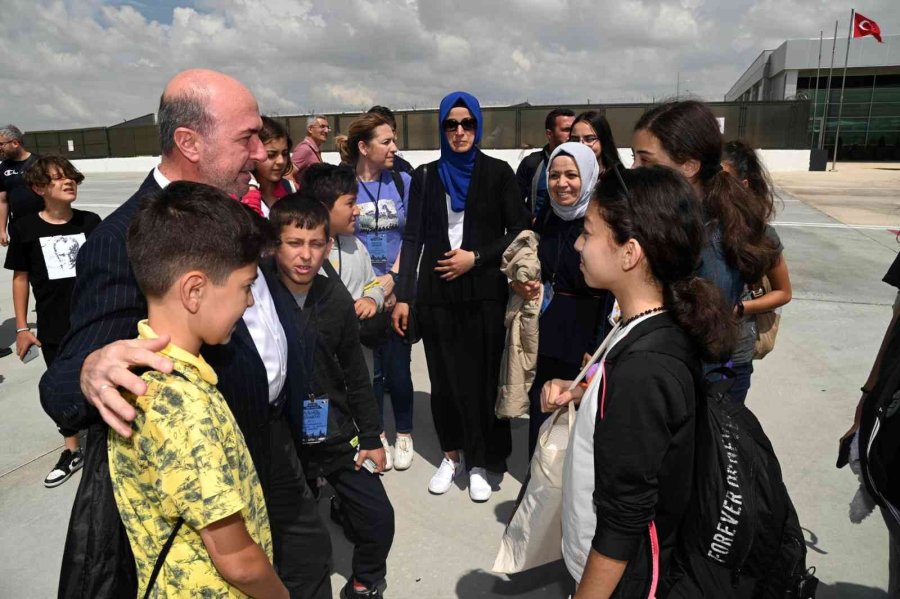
(464, 210)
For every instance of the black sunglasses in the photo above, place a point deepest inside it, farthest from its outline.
(468, 124)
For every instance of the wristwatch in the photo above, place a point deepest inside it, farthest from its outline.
(393, 275)
(477, 257)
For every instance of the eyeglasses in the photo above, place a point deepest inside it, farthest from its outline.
(585, 139)
(468, 124)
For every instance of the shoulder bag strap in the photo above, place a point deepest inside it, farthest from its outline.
(422, 223)
(398, 183)
(161, 559)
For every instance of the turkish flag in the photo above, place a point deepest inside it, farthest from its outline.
(863, 26)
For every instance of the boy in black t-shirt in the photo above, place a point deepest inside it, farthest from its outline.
(42, 252)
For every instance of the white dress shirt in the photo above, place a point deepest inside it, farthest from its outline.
(264, 325)
(268, 335)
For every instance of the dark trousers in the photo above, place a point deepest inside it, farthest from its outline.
(392, 370)
(463, 348)
(369, 516)
(302, 545)
(547, 368)
(49, 351)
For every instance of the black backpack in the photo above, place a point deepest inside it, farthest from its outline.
(879, 431)
(97, 559)
(741, 537)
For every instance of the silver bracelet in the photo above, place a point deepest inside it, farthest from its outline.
(22, 330)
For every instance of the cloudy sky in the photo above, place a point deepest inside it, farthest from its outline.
(97, 62)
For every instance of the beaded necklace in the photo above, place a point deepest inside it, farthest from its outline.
(628, 321)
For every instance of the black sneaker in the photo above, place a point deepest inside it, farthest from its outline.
(348, 592)
(69, 462)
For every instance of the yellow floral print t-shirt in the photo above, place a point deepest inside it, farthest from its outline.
(186, 458)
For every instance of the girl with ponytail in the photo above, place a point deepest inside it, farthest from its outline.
(685, 136)
(740, 161)
(628, 472)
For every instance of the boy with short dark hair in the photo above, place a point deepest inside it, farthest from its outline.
(340, 439)
(186, 473)
(42, 252)
(335, 187)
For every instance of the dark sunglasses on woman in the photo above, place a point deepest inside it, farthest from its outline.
(468, 124)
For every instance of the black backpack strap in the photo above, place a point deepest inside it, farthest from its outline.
(161, 559)
(398, 183)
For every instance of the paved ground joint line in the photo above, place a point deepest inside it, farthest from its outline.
(845, 302)
(31, 461)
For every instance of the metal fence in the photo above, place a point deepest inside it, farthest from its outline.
(767, 125)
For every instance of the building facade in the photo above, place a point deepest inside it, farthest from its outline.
(870, 119)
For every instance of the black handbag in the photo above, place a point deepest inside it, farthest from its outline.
(374, 332)
(413, 331)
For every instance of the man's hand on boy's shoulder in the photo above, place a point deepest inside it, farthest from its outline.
(108, 368)
(365, 307)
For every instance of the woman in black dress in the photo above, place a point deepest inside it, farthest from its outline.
(464, 210)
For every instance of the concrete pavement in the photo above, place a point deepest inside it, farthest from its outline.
(804, 393)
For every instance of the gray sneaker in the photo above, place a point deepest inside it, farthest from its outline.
(403, 452)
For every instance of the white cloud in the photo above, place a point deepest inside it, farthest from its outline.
(74, 63)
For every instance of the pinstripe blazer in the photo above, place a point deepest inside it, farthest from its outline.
(107, 306)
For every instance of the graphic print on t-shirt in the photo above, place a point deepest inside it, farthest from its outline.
(60, 252)
(388, 218)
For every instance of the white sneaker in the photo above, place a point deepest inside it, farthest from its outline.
(403, 452)
(442, 480)
(479, 487)
(388, 457)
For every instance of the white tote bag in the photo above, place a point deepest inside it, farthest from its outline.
(534, 535)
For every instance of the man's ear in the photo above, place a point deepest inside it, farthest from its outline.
(191, 288)
(549, 134)
(39, 189)
(189, 143)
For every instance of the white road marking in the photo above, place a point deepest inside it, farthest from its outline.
(837, 226)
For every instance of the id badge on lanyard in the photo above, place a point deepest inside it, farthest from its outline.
(315, 419)
(376, 241)
(377, 248)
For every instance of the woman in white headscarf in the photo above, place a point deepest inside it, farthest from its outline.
(572, 312)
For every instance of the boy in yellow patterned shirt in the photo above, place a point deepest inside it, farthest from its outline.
(185, 473)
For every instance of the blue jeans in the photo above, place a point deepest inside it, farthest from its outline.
(392, 370)
(741, 381)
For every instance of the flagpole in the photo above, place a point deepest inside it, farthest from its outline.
(828, 91)
(812, 133)
(837, 132)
